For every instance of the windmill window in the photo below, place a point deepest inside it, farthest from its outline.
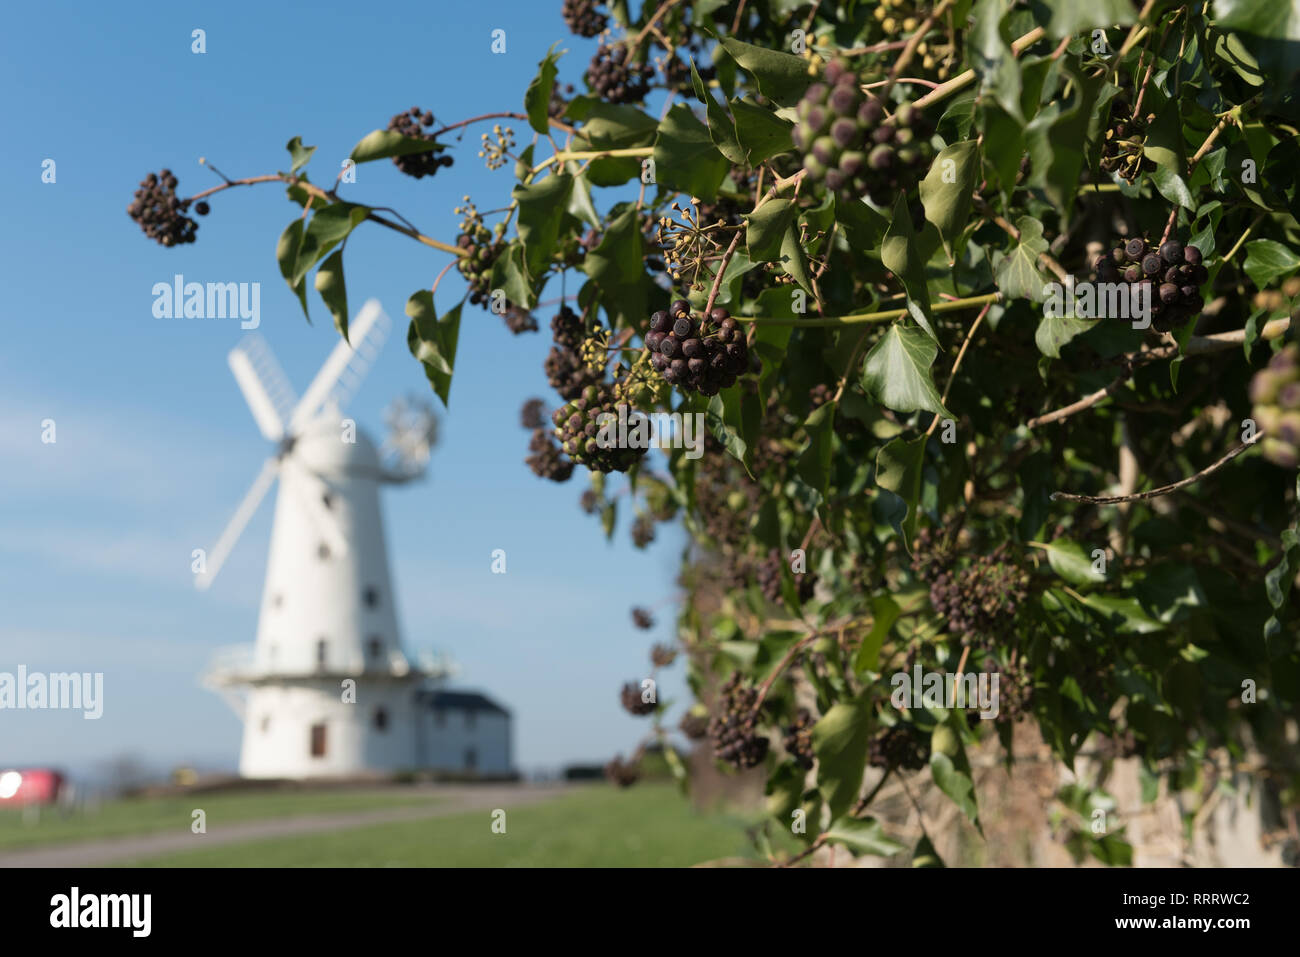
(375, 646)
(381, 719)
(327, 500)
(471, 758)
(318, 740)
(371, 597)
(266, 723)
(323, 551)
(320, 653)
(277, 600)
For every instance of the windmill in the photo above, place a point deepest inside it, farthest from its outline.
(327, 689)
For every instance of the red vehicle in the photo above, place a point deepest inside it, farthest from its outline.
(19, 786)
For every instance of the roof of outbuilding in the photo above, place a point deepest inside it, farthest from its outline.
(463, 700)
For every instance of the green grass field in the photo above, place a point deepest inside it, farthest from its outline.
(147, 815)
(650, 825)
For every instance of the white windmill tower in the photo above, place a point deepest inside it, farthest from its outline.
(327, 611)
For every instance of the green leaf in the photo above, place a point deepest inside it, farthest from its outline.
(1280, 578)
(1271, 29)
(862, 836)
(723, 420)
(383, 144)
(332, 289)
(955, 783)
(1017, 273)
(1172, 187)
(884, 612)
(433, 341)
(1164, 141)
(286, 254)
(1071, 562)
(925, 855)
(685, 156)
(617, 267)
(1267, 260)
(781, 77)
(721, 130)
(946, 191)
(761, 133)
(328, 227)
(537, 99)
(767, 227)
(899, 469)
(298, 154)
(839, 741)
(897, 371)
(1053, 332)
(794, 261)
(539, 221)
(1067, 18)
(899, 254)
(814, 465)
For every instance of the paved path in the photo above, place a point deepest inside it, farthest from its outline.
(109, 851)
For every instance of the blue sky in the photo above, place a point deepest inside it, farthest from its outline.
(155, 446)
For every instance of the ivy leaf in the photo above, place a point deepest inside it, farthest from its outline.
(1267, 260)
(956, 783)
(617, 267)
(1067, 19)
(884, 612)
(1173, 187)
(724, 426)
(1017, 273)
(1164, 141)
(897, 371)
(1071, 562)
(946, 191)
(721, 130)
(332, 289)
(1278, 581)
(383, 144)
(839, 740)
(433, 340)
(794, 261)
(899, 469)
(328, 227)
(286, 254)
(537, 99)
(862, 836)
(1053, 332)
(814, 465)
(539, 222)
(925, 855)
(766, 229)
(298, 154)
(900, 256)
(781, 77)
(1270, 30)
(685, 156)
(760, 132)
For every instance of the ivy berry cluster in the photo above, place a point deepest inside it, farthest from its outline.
(850, 144)
(161, 214)
(1174, 272)
(414, 124)
(697, 353)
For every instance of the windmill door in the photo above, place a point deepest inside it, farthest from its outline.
(318, 740)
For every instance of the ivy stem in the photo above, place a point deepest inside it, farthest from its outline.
(1163, 490)
(565, 155)
(498, 116)
(1244, 236)
(952, 376)
(317, 193)
(962, 80)
(884, 316)
(913, 42)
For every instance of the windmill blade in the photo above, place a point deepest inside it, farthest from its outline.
(265, 388)
(310, 491)
(235, 527)
(342, 372)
